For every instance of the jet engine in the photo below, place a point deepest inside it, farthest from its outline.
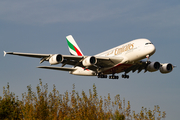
(89, 61)
(56, 59)
(166, 68)
(153, 66)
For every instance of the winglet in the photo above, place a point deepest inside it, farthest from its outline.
(4, 53)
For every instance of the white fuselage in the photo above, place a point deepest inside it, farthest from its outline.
(131, 52)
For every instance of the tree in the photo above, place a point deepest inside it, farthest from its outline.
(42, 105)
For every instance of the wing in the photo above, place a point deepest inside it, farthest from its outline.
(101, 61)
(35, 55)
(57, 68)
(141, 65)
(44, 57)
(106, 62)
(150, 67)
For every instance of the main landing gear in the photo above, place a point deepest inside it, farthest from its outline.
(101, 75)
(125, 76)
(112, 76)
(105, 76)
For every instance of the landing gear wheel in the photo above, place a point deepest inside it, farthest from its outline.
(101, 75)
(125, 76)
(113, 77)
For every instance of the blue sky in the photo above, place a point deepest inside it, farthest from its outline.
(40, 26)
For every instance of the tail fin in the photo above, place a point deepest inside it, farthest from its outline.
(73, 47)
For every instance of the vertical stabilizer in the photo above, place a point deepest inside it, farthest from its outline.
(73, 47)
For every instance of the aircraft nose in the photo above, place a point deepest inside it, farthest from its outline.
(152, 49)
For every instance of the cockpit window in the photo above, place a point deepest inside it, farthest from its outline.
(148, 43)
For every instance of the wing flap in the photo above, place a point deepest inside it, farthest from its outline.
(57, 68)
(72, 57)
(104, 62)
(108, 61)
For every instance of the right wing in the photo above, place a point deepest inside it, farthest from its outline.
(102, 61)
(35, 55)
(45, 57)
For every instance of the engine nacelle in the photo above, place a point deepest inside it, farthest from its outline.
(56, 59)
(89, 61)
(153, 66)
(166, 68)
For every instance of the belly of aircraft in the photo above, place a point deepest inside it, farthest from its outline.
(117, 69)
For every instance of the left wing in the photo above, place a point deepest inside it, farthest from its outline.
(151, 67)
(57, 68)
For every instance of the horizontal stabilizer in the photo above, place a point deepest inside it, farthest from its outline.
(4, 53)
(57, 68)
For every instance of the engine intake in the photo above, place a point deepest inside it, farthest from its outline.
(153, 66)
(89, 61)
(56, 59)
(166, 68)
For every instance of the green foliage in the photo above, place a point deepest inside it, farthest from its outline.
(41, 105)
(9, 105)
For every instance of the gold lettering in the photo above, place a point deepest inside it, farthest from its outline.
(122, 49)
(111, 52)
(126, 48)
(129, 46)
(115, 51)
(132, 46)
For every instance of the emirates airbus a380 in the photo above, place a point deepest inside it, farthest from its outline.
(124, 58)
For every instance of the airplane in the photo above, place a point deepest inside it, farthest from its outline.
(124, 58)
